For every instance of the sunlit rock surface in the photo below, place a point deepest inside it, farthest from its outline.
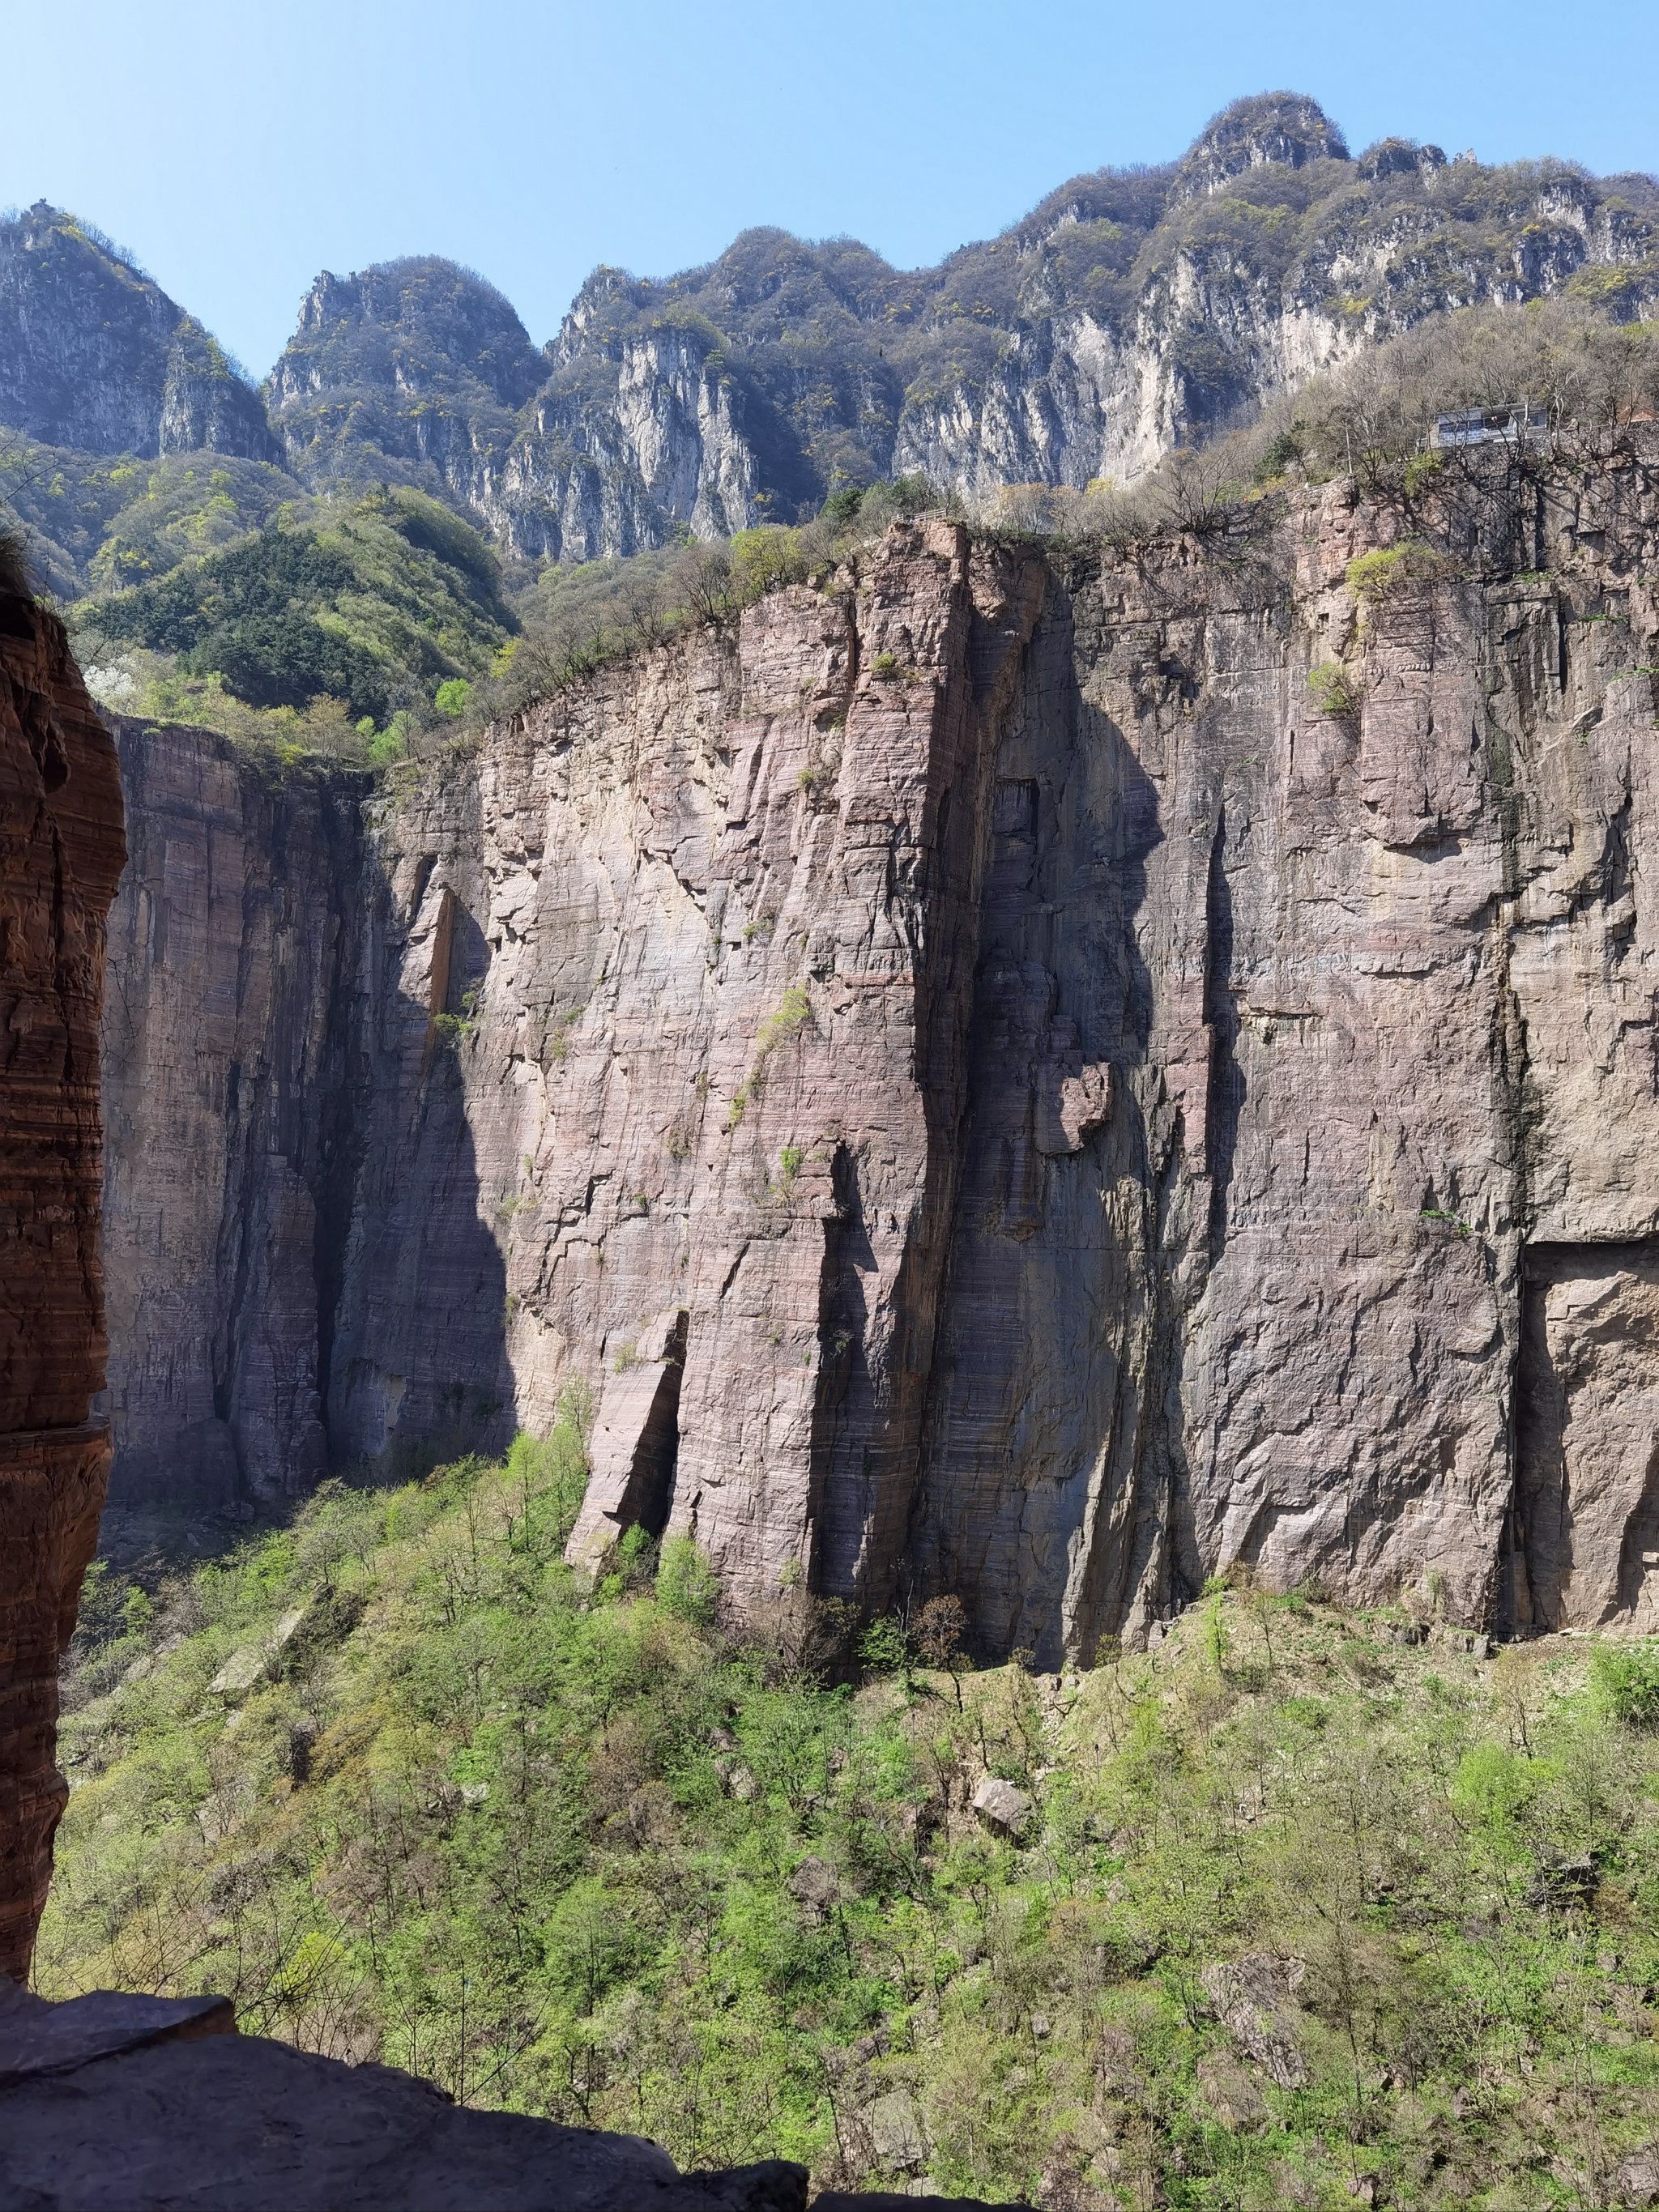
(990, 1087)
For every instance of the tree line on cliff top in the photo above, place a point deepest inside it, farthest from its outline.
(1298, 1908)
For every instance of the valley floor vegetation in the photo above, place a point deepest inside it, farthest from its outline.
(1296, 1909)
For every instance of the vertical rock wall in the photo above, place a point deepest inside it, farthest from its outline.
(60, 855)
(987, 1083)
(230, 1084)
(671, 1040)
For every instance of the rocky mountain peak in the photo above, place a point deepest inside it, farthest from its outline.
(94, 355)
(1399, 157)
(419, 363)
(428, 322)
(1284, 129)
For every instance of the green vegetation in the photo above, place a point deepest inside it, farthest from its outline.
(100, 523)
(1377, 575)
(1307, 1908)
(1331, 689)
(336, 620)
(787, 1020)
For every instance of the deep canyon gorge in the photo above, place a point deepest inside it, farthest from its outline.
(831, 1124)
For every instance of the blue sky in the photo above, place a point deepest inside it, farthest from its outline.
(236, 150)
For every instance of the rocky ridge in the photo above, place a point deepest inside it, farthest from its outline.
(1129, 313)
(95, 357)
(996, 1087)
(1132, 312)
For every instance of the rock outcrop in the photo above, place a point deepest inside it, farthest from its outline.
(93, 355)
(108, 2100)
(60, 853)
(993, 1086)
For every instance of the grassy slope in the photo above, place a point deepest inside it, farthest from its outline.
(538, 1843)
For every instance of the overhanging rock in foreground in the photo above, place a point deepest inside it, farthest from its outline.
(107, 2102)
(60, 855)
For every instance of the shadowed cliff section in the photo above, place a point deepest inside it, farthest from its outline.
(60, 855)
(251, 1039)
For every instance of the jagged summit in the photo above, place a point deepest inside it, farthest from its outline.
(94, 355)
(1399, 157)
(424, 319)
(1131, 311)
(1282, 129)
(396, 370)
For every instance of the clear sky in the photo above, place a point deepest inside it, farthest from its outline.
(236, 150)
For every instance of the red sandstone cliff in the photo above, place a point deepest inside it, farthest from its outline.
(61, 851)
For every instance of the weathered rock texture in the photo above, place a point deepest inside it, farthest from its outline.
(230, 1077)
(60, 853)
(992, 1090)
(108, 2101)
(93, 355)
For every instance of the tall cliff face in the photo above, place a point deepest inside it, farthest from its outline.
(230, 1075)
(60, 853)
(992, 1089)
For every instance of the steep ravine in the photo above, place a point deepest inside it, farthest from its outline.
(988, 1087)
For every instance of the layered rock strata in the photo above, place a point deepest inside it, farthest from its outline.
(990, 1083)
(60, 853)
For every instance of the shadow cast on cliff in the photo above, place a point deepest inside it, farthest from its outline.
(418, 1360)
(1055, 1504)
(303, 1275)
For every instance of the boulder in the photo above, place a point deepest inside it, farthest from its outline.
(1001, 1805)
(1253, 1998)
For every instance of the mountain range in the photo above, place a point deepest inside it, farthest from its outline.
(1133, 311)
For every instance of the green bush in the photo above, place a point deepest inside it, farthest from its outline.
(454, 697)
(1375, 575)
(884, 1648)
(765, 558)
(1331, 689)
(687, 1585)
(1627, 1676)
